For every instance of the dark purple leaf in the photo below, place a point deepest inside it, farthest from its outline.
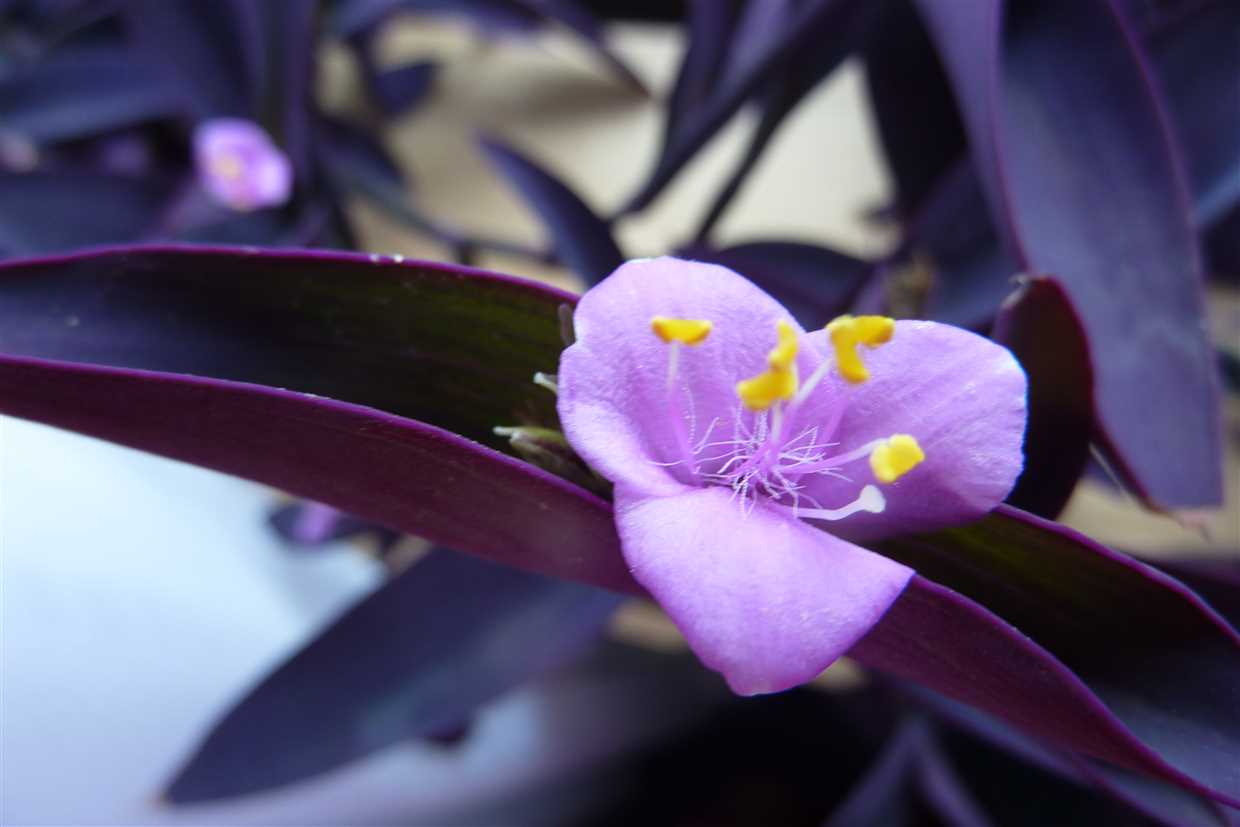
(184, 353)
(881, 796)
(1223, 246)
(814, 23)
(399, 91)
(1040, 326)
(784, 92)
(355, 163)
(709, 30)
(45, 211)
(353, 18)
(1071, 145)
(815, 283)
(1217, 579)
(198, 344)
(1015, 794)
(1154, 653)
(944, 790)
(211, 50)
(917, 120)
(416, 657)
(972, 274)
(582, 241)
(1155, 800)
(1197, 63)
(288, 31)
(76, 94)
(581, 21)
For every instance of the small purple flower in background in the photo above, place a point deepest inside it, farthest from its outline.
(732, 436)
(240, 166)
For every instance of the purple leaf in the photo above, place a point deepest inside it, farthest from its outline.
(1071, 144)
(352, 18)
(414, 658)
(45, 211)
(918, 125)
(880, 796)
(782, 96)
(765, 56)
(491, 16)
(578, 19)
(815, 283)
(287, 31)
(398, 91)
(944, 790)
(1197, 63)
(1154, 653)
(1040, 326)
(972, 273)
(392, 340)
(1217, 579)
(75, 94)
(709, 29)
(583, 242)
(1156, 801)
(211, 50)
(1223, 245)
(183, 353)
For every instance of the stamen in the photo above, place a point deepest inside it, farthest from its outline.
(895, 457)
(847, 332)
(780, 381)
(767, 388)
(686, 331)
(550, 381)
(870, 500)
(784, 354)
(677, 332)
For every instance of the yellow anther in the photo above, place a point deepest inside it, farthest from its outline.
(784, 354)
(847, 332)
(767, 388)
(685, 331)
(895, 457)
(780, 382)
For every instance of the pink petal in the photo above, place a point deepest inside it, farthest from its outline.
(963, 398)
(613, 398)
(765, 599)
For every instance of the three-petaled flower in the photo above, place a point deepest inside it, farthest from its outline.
(240, 166)
(733, 437)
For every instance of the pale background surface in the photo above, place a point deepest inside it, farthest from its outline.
(140, 596)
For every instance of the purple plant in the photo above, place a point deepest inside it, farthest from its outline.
(786, 497)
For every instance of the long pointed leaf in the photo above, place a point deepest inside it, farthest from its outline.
(419, 655)
(82, 93)
(1072, 144)
(582, 240)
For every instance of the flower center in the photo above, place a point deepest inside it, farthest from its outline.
(772, 455)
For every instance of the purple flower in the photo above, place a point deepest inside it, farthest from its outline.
(239, 166)
(733, 438)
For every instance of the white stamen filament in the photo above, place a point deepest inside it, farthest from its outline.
(683, 446)
(870, 499)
